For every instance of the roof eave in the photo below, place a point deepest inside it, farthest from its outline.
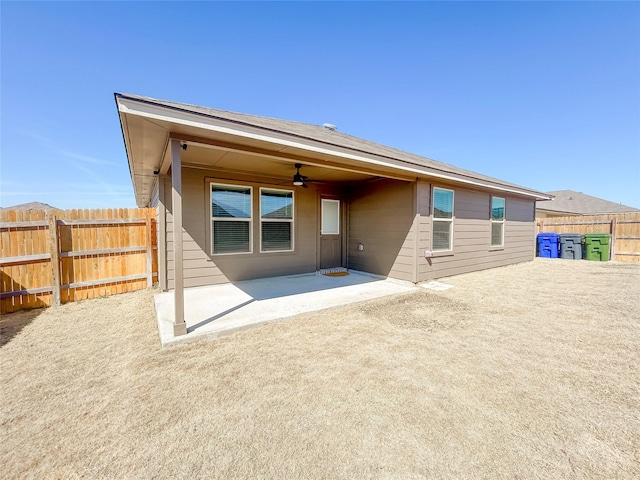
(154, 110)
(141, 203)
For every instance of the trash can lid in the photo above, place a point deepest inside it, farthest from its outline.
(571, 235)
(601, 238)
(547, 234)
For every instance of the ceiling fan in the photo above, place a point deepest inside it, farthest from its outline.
(300, 180)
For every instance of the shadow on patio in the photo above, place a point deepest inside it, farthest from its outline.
(218, 310)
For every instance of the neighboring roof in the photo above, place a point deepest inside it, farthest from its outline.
(568, 201)
(28, 206)
(318, 133)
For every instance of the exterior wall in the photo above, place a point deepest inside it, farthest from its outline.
(201, 268)
(163, 186)
(472, 249)
(424, 230)
(154, 202)
(155, 194)
(382, 219)
(390, 218)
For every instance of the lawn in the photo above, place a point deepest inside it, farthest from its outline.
(528, 371)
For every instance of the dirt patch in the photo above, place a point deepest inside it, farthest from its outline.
(10, 325)
(530, 371)
(420, 310)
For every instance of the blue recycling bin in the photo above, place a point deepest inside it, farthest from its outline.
(548, 245)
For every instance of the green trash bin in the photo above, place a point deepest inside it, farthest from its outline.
(596, 246)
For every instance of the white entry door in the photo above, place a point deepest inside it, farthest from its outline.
(330, 233)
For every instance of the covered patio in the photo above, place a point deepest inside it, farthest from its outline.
(217, 310)
(180, 153)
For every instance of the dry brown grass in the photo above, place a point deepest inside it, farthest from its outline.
(530, 371)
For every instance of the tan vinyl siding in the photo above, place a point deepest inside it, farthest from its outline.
(472, 249)
(391, 218)
(424, 226)
(201, 268)
(160, 231)
(155, 194)
(381, 217)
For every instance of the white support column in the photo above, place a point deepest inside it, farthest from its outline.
(179, 326)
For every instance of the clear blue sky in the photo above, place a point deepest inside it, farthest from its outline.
(543, 94)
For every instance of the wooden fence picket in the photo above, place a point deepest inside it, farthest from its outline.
(58, 256)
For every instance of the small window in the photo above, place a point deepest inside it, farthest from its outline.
(276, 220)
(230, 219)
(330, 217)
(442, 224)
(497, 221)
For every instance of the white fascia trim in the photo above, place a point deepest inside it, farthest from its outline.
(157, 112)
(141, 202)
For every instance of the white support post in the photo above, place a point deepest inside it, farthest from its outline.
(179, 326)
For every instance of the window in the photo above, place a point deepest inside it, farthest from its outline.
(276, 220)
(442, 225)
(497, 222)
(230, 219)
(330, 217)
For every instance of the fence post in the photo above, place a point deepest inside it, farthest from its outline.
(55, 257)
(612, 250)
(149, 245)
(541, 226)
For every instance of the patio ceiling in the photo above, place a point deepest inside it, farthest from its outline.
(222, 159)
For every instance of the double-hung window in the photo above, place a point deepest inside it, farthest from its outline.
(230, 219)
(442, 224)
(276, 220)
(497, 221)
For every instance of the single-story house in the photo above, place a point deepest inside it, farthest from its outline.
(568, 202)
(259, 197)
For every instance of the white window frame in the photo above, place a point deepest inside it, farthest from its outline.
(213, 219)
(279, 220)
(492, 221)
(449, 220)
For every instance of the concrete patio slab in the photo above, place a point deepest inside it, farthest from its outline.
(218, 310)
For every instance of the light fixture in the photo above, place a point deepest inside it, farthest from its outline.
(298, 179)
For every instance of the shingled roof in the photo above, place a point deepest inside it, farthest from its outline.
(29, 206)
(570, 202)
(337, 139)
(324, 135)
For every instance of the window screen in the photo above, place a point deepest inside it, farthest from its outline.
(497, 221)
(276, 220)
(230, 219)
(442, 222)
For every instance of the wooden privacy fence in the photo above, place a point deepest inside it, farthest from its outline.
(49, 257)
(624, 229)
